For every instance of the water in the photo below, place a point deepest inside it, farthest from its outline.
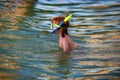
(29, 52)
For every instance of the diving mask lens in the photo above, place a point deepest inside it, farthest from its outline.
(52, 26)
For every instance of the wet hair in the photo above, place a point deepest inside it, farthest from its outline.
(64, 27)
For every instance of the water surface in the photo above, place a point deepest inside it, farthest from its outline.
(29, 52)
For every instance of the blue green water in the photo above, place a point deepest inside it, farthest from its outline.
(29, 52)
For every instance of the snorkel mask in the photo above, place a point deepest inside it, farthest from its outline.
(60, 25)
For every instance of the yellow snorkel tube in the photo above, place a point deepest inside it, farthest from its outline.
(67, 18)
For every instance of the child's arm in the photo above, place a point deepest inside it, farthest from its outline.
(65, 46)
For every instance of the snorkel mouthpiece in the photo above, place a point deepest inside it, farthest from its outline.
(60, 25)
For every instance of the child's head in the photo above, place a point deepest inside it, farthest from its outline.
(62, 30)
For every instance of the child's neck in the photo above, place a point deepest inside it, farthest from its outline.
(60, 35)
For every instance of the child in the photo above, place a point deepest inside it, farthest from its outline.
(65, 42)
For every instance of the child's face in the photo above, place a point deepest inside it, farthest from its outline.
(53, 27)
(58, 31)
(55, 24)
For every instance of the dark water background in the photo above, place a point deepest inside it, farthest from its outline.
(29, 52)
